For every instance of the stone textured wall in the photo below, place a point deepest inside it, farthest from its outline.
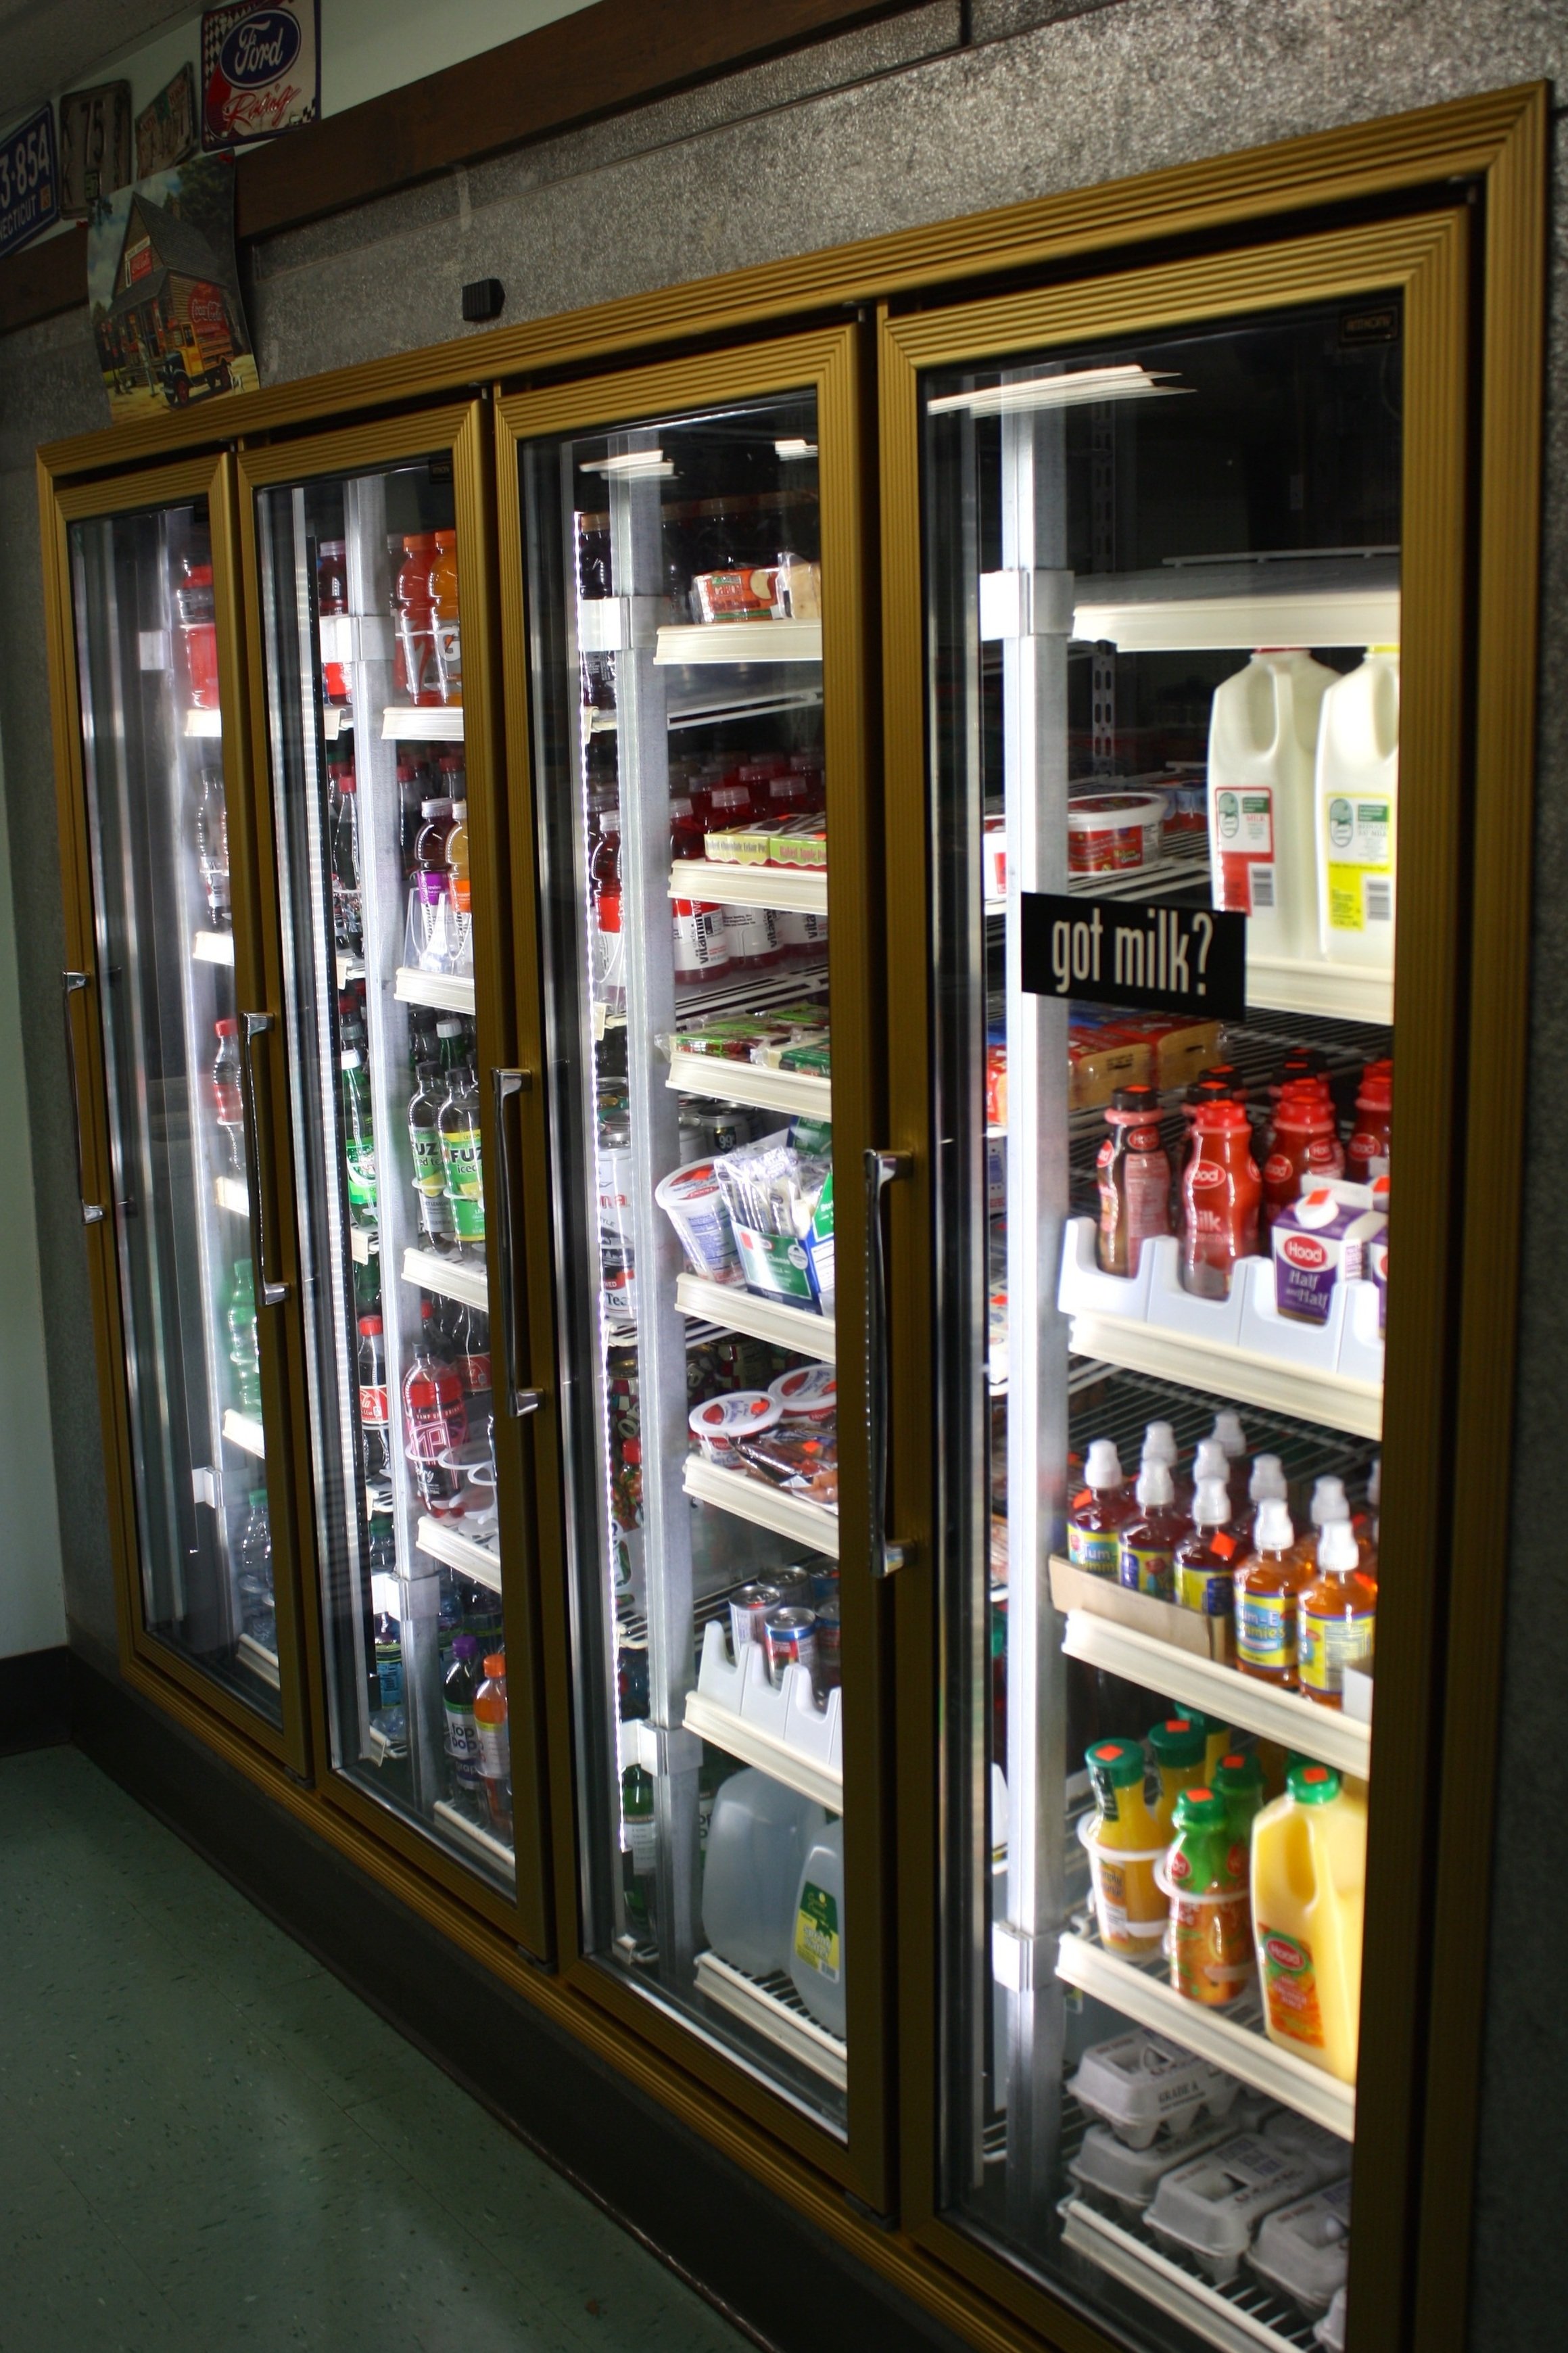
(877, 130)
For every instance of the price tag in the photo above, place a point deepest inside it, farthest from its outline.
(1151, 958)
(29, 182)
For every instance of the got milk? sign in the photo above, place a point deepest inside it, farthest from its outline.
(261, 70)
(1148, 956)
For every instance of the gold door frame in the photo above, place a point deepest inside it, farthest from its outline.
(145, 1659)
(1436, 1455)
(826, 362)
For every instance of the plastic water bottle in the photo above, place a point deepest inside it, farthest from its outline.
(212, 847)
(244, 1351)
(253, 1569)
(226, 1097)
(758, 1840)
(457, 1705)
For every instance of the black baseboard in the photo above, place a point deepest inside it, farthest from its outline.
(773, 2275)
(35, 1709)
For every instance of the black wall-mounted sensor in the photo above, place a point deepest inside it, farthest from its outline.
(483, 298)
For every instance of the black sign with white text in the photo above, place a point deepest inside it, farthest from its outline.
(1151, 958)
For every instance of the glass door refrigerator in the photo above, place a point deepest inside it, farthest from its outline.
(1174, 571)
(683, 598)
(170, 1055)
(369, 649)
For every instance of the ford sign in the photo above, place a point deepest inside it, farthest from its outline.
(259, 47)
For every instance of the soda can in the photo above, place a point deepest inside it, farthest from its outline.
(827, 1672)
(789, 1640)
(724, 1130)
(824, 1587)
(794, 1585)
(749, 1608)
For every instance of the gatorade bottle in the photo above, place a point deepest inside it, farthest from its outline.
(459, 891)
(1124, 1843)
(1221, 1191)
(1098, 1513)
(495, 1743)
(429, 941)
(244, 1352)
(1149, 1541)
(1266, 1584)
(226, 1097)
(198, 629)
(1336, 1613)
(445, 623)
(457, 1705)
(212, 847)
(429, 1171)
(413, 620)
(1309, 1883)
(1205, 1876)
(359, 1138)
(1203, 1564)
(457, 1125)
(1178, 1745)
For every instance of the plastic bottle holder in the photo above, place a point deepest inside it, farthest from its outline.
(1140, 1939)
(785, 1713)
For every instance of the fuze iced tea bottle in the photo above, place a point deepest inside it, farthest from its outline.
(1099, 1513)
(1221, 1191)
(1266, 1584)
(1134, 1179)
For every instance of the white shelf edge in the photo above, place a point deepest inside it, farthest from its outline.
(448, 992)
(260, 1660)
(1151, 2001)
(242, 1429)
(687, 644)
(744, 1741)
(350, 969)
(1332, 1402)
(1337, 992)
(763, 1507)
(206, 724)
(797, 1093)
(800, 890)
(230, 1193)
(1322, 1733)
(448, 1545)
(1195, 2302)
(212, 947)
(364, 1243)
(428, 1271)
(484, 1841)
(790, 2030)
(738, 1310)
(1237, 623)
(403, 723)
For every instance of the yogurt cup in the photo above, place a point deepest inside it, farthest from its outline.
(692, 1200)
(807, 1394)
(717, 1425)
(1115, 833)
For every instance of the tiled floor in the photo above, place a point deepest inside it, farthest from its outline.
(207, 2141)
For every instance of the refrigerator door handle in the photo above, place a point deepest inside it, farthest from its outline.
(252, 1026)
(91, 1211)
(520, 1401)
(882, 1169)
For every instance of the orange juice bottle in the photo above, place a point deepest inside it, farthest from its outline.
(1206, 1875)
(1179, 1748)
(1336, 1615)
(1309, 1881)
(1125, 1842)
(444, 614)
(1266, 1584)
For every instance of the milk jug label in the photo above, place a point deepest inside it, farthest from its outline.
(1244, 845)
(1290, 1987)
(1359, 869)
(817, 1939)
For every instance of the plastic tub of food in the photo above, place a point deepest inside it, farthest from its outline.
(1115, 833)
(1210, 2207)
(719, 1425)
(807, 1394)
(693, 1200)
(1304, 2250)
(1139, 2082)
(1188, 803)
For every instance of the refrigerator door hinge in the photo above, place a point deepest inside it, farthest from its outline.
(660, 1749)
(1025, 603)
(1012, 1958)
(606, 624)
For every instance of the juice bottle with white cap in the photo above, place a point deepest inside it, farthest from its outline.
(1357, 809)
(1309, 1880)
(1266, 1584)
(1098, 1512)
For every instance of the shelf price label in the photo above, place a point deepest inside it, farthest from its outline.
(1148, 956)
(29, 182)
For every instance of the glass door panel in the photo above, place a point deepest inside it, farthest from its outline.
(1163, 622)
(675, 593)
(177, 1048)
(361, 579)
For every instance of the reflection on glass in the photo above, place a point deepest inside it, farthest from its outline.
(1163, 593)
(676, 600)
(363, 641)
(158, 821)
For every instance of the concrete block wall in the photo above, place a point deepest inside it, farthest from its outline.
(929, 115)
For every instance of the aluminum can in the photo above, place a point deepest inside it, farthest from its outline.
(827, 1670)
(749, 1608)
(789, 1637)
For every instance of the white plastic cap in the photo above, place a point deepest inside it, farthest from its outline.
(1228, 1428)
(1211, 1461)
(1330, 1502)
(1160, 1443)
(1374, 1485)
(1268, 1479)
(1155, 1492)
(1212, 1508)
(1338, 1551)
(1274, 1532)
(1103, 1468)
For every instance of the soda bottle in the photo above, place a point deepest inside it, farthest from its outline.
(495, 1742)
(199, 630)
(457, 1706)
(451, 1046)
(374, 1409)
(1099, 1513)
(640, 1853)
(359, 1138)
(332, 597)
(458, 1126)
(212, 847)
(1266, 1584)
(253, 1572)
(444, 618)
(471, 1363)
(605, 883)
(1134, 1179)
(1149, 1540)
(227, 1096)
(348, 927)
(1336, 1615)
(429, 941)
(460, 896)
(413, 620)
(434, 1423)
(424, 1142)
(1220, 1192)
(1206, 1872)
(244, 1352)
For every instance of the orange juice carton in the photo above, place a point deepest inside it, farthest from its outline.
(1303, 2250)
(1210, 2207)
(1320, 1240)
(1129, 2176)
(1309, 1883)
(1142, 2085)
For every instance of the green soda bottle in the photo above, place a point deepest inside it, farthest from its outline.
(244, 1352)
(641, 1854)
(359, 1138)
(459, 1130)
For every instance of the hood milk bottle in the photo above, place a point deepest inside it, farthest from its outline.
(1356, 812)
(1263, 736)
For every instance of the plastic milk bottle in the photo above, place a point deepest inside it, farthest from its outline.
(1357, 797)
(1309, 1880)
(1263, 736)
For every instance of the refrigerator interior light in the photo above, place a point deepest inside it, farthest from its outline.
(1125, 383)
(795, 446)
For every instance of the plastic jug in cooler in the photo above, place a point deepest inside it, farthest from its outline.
(758, 1838)
(818, 1948)
(1356, 812)
(1263, 736)
(1309, 1883)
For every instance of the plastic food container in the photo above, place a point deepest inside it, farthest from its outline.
(807, 1394)
(1304, 2250)
(1210, 2207)
(1139, 2082)
(1322, 2152)
(1330, 2331)
(693, 1201)
(1188, 804)
(717, 1425)
(1129, 2176)
(1115, 833)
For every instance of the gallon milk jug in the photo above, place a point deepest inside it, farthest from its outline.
(1357, 812)
(1309, 1880)
(816, 1947)
(757, 1841)
(1263, 736)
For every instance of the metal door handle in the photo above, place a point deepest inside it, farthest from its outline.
(91, 1211)
(255, 1025)
(504, 1084)
(882, 1169)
